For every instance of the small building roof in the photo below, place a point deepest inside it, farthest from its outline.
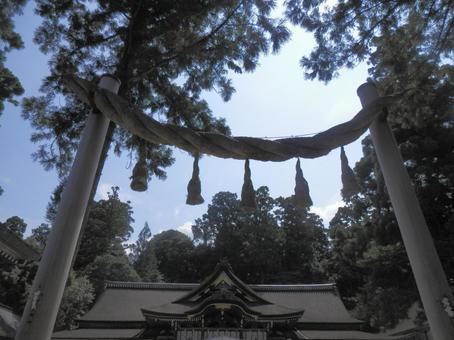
(14, 248)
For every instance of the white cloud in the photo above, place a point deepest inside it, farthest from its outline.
(186, 228)
(328, 211)
(176, 211)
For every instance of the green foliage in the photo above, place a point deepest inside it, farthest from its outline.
(368, 259)
(15, 282)
(10, 86)
(144, 258)
(172, 250)
(39, 237)
(109, 267)
(352, 31)
(15, 224)
(276, 243)
(77, 298)
(101, 257)
(164, 53)
(305, 244)
(108, 227)
(408, 45)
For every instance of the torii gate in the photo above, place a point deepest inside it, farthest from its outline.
(41, 310)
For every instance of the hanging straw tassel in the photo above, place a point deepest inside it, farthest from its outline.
(302, 198)
(140, 175)
(194, 186)
(248, 203)
(349, 183)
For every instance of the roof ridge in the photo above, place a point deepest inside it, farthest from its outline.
(258, 287)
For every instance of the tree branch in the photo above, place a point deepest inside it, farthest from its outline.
(194, 44)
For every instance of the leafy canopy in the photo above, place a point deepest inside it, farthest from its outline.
(351, 31)
(10, 86)
(164, 52)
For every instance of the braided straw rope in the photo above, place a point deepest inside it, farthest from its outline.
(135, 121)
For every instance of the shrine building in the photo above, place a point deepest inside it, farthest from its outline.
(221, 307)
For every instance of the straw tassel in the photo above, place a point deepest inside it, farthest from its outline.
(194, 186)
(349, 183)
(140, 171)
(302, 198)
(248, 203)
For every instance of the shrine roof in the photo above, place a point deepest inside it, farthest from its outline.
(124, 301)
(97, 333)
(14, 248)
(341, 335)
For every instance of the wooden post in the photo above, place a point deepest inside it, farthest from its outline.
(430, 278)
(41, 310)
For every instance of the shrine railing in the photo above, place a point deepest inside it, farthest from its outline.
(221, 333)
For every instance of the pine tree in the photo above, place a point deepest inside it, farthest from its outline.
(143, 256)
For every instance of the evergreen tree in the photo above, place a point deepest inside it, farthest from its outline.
(164, 52)
(109, 268)
(351, 31)
(144, 258)
(277, 243)
(10, 86)
(408, 46)
(15, 224)
(108, 227)
(305, 243)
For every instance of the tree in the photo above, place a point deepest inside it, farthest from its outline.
(77, 298)
(15, 282)
(249, 241)
(108, 227)
(15, 224)
(305, 243)
(109, 267)
(39, 237)
(10, 86)
(352, 31)
(223, 211)
(366, 229)
(408, 46)
(141, 244)
(144, 258)
(164, 53)
(173, 253)
(277, 243)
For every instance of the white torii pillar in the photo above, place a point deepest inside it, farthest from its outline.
(430, 278)
(38, 318)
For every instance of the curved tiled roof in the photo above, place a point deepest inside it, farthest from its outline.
(123, 301)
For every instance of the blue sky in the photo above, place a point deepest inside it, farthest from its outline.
(275, 100)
